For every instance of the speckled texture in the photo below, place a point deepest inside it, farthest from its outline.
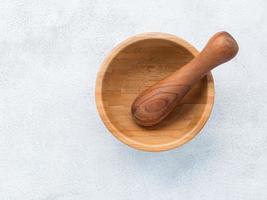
(53, 145)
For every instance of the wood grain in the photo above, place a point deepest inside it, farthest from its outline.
(155, 103)
(135, 65)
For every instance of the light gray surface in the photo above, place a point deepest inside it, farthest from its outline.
(53, 145)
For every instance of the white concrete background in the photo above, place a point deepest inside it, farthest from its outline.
(53, 145)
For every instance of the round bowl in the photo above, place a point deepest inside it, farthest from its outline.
(136, 64)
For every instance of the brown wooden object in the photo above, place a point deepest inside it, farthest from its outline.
(135, 65)
(156, 102)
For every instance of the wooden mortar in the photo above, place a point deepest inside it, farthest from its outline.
(135, 65)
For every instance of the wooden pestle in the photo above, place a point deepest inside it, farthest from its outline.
(155, 103)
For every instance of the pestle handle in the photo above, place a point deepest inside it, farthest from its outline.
(155, 103)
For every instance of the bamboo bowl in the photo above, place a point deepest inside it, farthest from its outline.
(136, 64)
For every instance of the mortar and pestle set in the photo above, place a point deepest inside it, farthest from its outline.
(155, 91)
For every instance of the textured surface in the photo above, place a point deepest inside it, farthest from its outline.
(53, 145)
